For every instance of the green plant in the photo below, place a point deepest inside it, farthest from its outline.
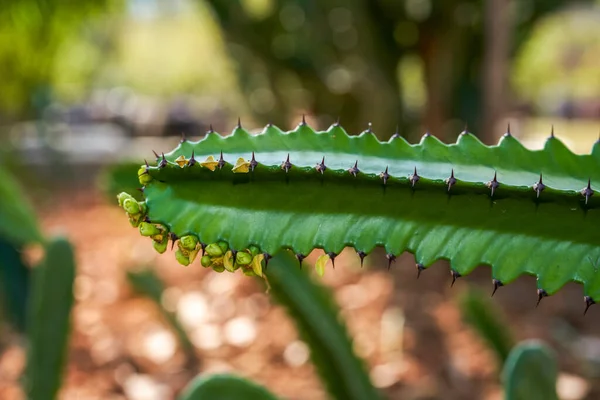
(225, 387)
(518, 210)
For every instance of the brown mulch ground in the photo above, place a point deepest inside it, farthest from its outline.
(410, 331)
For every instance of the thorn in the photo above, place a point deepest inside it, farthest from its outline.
(508, 130)
(239, 124)
(354, 170)
(300, 257)
(587, 191)
(192, 160)
(210, 129)
(183, 138)
(426, 135)
(156, 155)
(173, 237)
(286, 165)
(337, 121)
(451, 180)
(539, 187)
(233, 255)
(552, 132)
(370, 128)
(362, 256)
(303, 123)
(385, 176)
(496, 284)
(466, 130)
(541, 294)
(391, 258)
(147, 219)
(141, 189)
(203, 247)
(588, 302)
(253, 163)
(147, 166)
(493, 184)
(269, 125)
(455, 276)
(321, 167)
(420, 268)
(332, 256)
(163, 162)
(396, 134)
(221, 162)
(267, 258)
(414, 178)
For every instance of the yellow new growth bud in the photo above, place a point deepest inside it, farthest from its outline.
(320, 264)
(210, 163)
(147, 229)
(181, 161)
(229, 262)
(241, 166)
(131, 206)
(257, 264)
(182, 258)
(143, 176)
(161, 246)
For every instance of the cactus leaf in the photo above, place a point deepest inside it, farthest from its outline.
(224, 387)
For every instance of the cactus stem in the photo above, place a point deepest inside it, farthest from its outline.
(286, 165)
(221, 162)
(362, 256)
(354, 170)
(385, 176)
(332, 256)
(588, 302)
(455, 276)
(300, 258)
(493, 184)
(539, 187)
(414, 178)
(451, 180)
(321, 167)
(253, 163)
(496, 284)
(391, 258)
(587, 191)
(541, 294)
(420, 268)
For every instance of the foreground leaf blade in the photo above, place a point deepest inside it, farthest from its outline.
(225, 387)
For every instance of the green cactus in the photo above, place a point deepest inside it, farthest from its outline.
(225, 387)
(518, 210)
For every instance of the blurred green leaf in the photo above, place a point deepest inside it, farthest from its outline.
(487, 320)
(530, 372)
(121, 177)
(14, 283)
(49, 321)
(225, 387)
(315, 314)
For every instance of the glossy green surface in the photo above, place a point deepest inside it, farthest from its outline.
(554, 237)
(530, 372)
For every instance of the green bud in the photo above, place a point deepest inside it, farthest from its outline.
(147, 229)
(254, 250)
(182, 258)
(229, 262)
(214, 250)
(143, 207)
(121, 197)
(248, 272)
(188, 242)
(223, 245)
(205, 261)
(143, 176)
(131, 206)
(243, 258)
(135, 220)
(161, 247)
(218, 268)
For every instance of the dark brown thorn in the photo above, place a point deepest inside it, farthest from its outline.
(541, 294)
(587, 191)
(588, 303)
(183, 138)
(552, 132)
(172, 237)
(420, 268)
(496, 284)
(396, 134)
(426, 135)
(267, 258)
(493, 184)
(354, 170)
(414, 178)
(385, 176)
(141, 189)
(286, 165)
(147, 219)
(508, 130)
(233, 255)
(221, 162)
(455, 276)
(362, 256)
(210, 129)
(321, 167)
(253, 163)
(332, 257)
(303, 123)
(451, 180)
(192, 160)
(163, 162)
(156, 155)
(239, 124)
(300, 258)
(203, 247)
(270, 124)
(539, 187)
(147, 166)
(370, 127)
(391, 258)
